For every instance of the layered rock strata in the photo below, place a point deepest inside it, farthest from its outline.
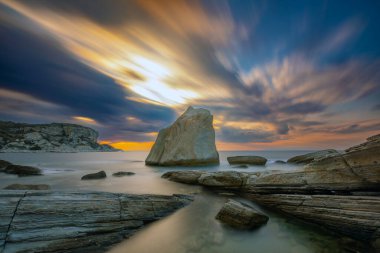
(45, 221)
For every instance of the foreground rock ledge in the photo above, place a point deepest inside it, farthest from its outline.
(189, 141)
(47, 221)
(340, 191)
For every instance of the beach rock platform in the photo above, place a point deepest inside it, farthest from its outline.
(48, 221)
(189, 141)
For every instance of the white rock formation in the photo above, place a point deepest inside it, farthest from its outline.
(190, 140)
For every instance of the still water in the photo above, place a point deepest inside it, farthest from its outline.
(191, 229)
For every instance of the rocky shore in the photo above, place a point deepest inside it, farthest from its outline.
(340, 192)
(48, 221)
(55, 137)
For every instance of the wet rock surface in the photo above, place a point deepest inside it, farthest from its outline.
(27, 187)
(97, 175)
(241, 216)
(76, 221)
(252, 160)
(190, 140)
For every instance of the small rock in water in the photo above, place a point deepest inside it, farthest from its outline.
(28, 187)
(226, 194)
(242, 166)
(123, 173)
(252, 159)
(97, 175)
(22, 170)
(241, 216)
(280, 162)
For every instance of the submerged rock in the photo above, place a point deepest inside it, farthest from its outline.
(280, 162)
(27, 187)
(55, 137)
(309, 157)
(253, 160)
(3, 165)
(241, 216)
(22, 170)
(241, 166)
(123, 173)
(190, 140)
(97, 175)
(45, 221)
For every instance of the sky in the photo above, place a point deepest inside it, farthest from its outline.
(276, 75)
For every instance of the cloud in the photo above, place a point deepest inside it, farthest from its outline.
(236, 135)
(133, 66)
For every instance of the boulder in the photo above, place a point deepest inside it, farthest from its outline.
(123, 173)
(241, 216)
(3, 165)
(27, 187)
(22, 170)
(309, 157)
(252, 160)
(97, 175)
(48, 221)
(190, 140)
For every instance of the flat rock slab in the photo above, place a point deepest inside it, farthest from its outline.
(241, 216)
(47, 221)
(252, 160)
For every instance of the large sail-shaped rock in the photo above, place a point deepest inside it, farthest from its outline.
(190, 140)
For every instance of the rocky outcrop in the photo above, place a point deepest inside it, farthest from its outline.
(309, 157)
(55, 137)
(97, 175)
(45, 221)
(22, 170)
(252, 160)
(123, 173)
(35, 187)
(241, 216)
(190, 140)
(338, 191)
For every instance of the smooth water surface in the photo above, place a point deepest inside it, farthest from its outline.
(190, 229)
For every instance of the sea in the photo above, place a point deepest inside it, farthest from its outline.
(192, 229)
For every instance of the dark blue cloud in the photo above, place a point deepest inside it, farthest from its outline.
(38, 66)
